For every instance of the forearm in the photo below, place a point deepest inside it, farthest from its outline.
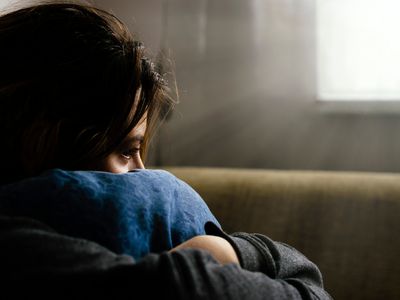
(196, 275)
(258, 253)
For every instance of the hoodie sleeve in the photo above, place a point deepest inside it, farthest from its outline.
(279, 261)
(37, 261)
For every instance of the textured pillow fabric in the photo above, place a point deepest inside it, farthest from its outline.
(133, 213)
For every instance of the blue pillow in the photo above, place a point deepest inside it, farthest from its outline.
(133, 213)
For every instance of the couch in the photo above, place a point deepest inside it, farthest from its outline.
(347, 223)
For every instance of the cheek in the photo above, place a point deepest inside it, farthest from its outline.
(114, 164)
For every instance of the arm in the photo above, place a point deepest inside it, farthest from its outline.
(38, 261)
(258, 253)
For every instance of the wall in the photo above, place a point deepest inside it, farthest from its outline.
(247, 81)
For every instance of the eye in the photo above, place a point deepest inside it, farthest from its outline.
(129, 153)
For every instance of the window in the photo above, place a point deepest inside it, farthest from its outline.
(5, 3)
(358, 50)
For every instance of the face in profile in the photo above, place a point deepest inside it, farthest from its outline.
(127, 156)
(67, 92)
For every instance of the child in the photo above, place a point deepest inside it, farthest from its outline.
(78, 93)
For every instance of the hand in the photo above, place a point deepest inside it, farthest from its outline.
(218, 247)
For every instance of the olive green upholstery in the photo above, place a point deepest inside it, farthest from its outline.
(347, 223)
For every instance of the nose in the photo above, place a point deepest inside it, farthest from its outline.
(139, 163)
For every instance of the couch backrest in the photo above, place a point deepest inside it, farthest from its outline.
(347, 223)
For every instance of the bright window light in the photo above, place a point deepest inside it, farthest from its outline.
(358, 50)
(5, 3)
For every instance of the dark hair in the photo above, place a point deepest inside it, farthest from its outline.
(69, 77)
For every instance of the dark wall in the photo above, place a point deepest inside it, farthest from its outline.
(247, 79)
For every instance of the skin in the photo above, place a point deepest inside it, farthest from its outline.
(218, 247)
(127, 157)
